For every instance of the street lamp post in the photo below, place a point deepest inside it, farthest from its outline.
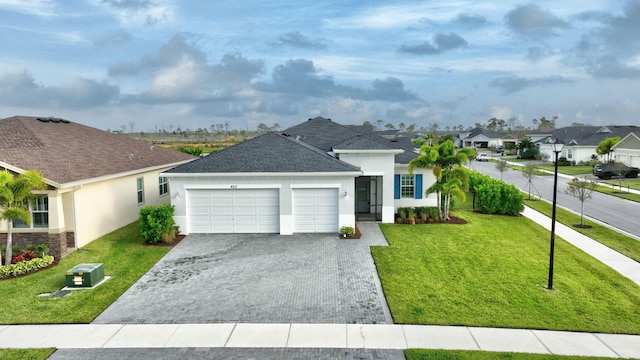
(556, 147)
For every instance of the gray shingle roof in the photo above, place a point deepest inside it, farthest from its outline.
(325, 134)
(488, 133)
(267, 153)
(591, 135)
(66, 152)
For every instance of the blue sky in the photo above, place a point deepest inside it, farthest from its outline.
(161, 64)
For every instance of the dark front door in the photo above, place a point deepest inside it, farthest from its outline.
(363, 195)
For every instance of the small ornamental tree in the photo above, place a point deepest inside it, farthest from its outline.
(529, 171)
(605, 147)
(156, 223)
(581, 189)
(15, 196)
(502, 166)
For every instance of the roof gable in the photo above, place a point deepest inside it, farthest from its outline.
(325, 135)
(268, 153)
(66, 152)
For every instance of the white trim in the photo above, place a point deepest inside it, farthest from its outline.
(314, 186)
(96, 179)
(346, 151)
(230, 186)
(238, 174)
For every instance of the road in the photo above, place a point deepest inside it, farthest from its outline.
(616, 212)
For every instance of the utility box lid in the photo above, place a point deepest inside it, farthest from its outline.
(85, 275)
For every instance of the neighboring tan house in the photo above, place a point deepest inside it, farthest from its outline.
(315, 177)
(581, 142)
(627, 150)
(96, 181)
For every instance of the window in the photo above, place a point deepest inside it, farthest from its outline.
(140, 185)
(569, 153)
(39, 214)
(407, 189)
(163, 185)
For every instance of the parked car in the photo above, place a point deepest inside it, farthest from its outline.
(482, 157)
(499, 149)
(606, 170)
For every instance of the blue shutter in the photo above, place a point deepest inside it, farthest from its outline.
(418, 188)
(396, 189)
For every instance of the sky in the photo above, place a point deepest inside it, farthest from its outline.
(148, 65)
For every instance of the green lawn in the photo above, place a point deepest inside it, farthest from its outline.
(493, 272)
(633, 183)
(568, 170)
(26, 354)
(424, 354)
(613, 239)
(624, 194)
(125, 259)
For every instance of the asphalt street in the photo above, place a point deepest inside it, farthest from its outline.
(616, 212)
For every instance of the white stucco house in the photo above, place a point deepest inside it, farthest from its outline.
(627, 150)
(314, 177)
(581, 142)
(480, 138)
(96, 181)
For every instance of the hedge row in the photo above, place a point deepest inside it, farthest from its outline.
(495, 196)
(25, 266)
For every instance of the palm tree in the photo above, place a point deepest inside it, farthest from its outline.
(447, 163)
(15, 195)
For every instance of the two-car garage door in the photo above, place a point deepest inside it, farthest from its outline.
(258, 210)
(234, 211)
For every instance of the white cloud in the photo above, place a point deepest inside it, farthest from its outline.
(501, 112)
(30, 7)
(174, 82)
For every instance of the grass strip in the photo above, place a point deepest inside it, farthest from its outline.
(125, 259)
(26, 354)
(624, 194)
(623, 244)
(424, 354)
(568, 170)
(493, 271)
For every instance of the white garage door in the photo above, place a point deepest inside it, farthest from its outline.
(234, 211)
(315, 210)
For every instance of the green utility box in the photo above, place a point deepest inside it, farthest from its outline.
(85, 275)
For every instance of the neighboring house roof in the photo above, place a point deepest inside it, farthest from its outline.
(67, 152)
(488, 133)
(589, 135)
(631, 141)
(268, 153)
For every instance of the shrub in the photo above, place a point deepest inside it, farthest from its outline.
(495, 196)
(562, 161)
(347, 231)
(411, 214)
(402, 213)
(156, 223)
(25, 266)
(434, 214)
(423, 213)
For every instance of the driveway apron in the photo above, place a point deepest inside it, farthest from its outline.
(259, 278)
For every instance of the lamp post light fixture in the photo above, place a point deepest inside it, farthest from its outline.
(556, 147)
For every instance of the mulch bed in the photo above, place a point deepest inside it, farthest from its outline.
(174, 242)
(454, 220)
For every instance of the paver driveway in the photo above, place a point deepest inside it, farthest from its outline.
(303, 278)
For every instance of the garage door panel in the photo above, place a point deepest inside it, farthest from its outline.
(234, 211)
(316, 210)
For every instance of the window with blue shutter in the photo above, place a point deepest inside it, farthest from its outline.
(396, 188)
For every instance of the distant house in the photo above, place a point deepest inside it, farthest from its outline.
(314, 177)
(480, 138)
(96, 181)
(627, 150)
(581, 142)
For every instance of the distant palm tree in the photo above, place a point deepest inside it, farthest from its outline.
(15, 196)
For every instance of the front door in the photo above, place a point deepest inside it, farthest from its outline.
(363, 195)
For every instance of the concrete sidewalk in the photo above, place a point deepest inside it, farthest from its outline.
(334, 336)
(618, 262)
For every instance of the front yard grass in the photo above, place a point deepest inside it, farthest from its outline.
(602, 234)
(627, 182)
(624, 194)
(125, 259)
(568, 170)
(26, 354)
(493, 272)
(424, 354)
